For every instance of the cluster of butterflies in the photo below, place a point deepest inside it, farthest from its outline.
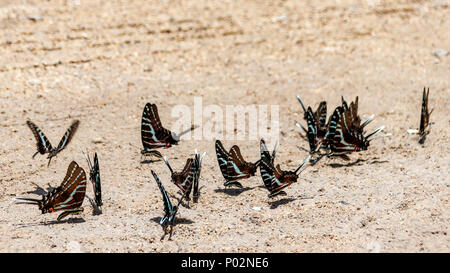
(342, 134)
(69, 196)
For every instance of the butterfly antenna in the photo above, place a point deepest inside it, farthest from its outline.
(192, 128)
(303, 164)
(301, 102)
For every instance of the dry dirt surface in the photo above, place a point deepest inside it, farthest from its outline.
(101, 61)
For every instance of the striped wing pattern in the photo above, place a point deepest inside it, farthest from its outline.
(71, 192)
(232, 164)
(68, 135)
(94, 176)
(340, 138)
(197, 170)
(237, 167)
(223, 157)
(424, 117)
(169, 210)
(184, 179)
(42, 142)
(317, 126)
(153, 134)
(275, 180)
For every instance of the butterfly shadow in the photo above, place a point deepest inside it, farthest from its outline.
(279, 202)
(53, 222)
(149, 161)
(39, 190)
(178, 220)
(350, 164)
(233, 191)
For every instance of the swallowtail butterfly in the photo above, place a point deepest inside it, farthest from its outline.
(170, 210)
(317, 126)
(94, 176)
(275, 180)
(424, 117)
(68, 197)
(233, 166)
(43, 144)
(153, 134)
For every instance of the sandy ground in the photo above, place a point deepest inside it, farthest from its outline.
(101, 61)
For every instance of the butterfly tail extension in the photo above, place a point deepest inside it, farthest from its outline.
(298, 170)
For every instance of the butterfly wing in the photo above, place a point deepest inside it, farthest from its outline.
(424, 117)
(68, 135)
(237, 167)
(153, 134)
(168, 208)
(70, 194)
(197, 167)
(223, 157)
(321, 114)
(183, 180)
(42, 142)
(267, 172)
(265, 152)
(95, 179)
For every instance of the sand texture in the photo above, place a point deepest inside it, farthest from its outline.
(102, 61)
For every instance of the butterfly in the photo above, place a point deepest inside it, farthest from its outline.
(233, 166)
(43, 144)
(153, 134)
(189, 176)
(94, 176)
(275, 180)
(170, 210)
(346, 133)
(68, 196)
(317, 126)
(184, 179)
(424, 117)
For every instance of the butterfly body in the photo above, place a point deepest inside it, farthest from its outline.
(68, 196)
(233, 166)
(43, 144)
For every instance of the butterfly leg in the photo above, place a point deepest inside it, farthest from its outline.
(35, 154)
(49, 160)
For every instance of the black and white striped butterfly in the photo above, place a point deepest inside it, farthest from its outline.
(233, 166)
(153, 134)
(317, 126)
(188, 178)
(197, 170)
(275, 180)
(346, 133)
(424, 117)
(94, 176)
(170, 211)
(68, 197)
(43, 144)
